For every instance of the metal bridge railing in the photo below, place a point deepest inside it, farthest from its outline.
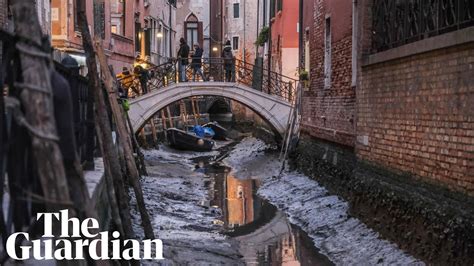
(213, 70)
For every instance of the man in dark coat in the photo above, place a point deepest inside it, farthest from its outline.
(183, 54)
(228, 61)
(196, 63)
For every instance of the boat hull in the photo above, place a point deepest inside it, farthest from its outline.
(182, 140)
(220, 132)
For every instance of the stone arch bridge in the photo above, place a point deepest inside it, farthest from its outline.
(273, 109)
(272, 99)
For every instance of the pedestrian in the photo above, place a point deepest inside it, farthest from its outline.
(183, 54)
(126, 80)
(143, 76)
(196, 63)
(228, 61)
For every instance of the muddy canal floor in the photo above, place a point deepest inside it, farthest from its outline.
(231, 206)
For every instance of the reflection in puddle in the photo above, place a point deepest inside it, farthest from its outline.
(265, 235)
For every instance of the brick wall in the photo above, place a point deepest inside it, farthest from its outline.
(328, 113)
(417, 114)
(3, 13)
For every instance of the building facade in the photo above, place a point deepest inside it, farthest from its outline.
(193, 24)
(284, 16)
(160, 34)
(241, 26)
(329, 102)
(119, 24)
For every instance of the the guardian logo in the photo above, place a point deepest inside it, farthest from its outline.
(70, 246)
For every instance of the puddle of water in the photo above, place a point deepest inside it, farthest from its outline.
(265, 234)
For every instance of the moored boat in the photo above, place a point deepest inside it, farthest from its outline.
(183, 140)
(220, 132)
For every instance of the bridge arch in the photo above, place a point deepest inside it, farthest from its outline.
(271, 108)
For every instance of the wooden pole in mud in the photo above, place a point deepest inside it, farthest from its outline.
(163, 119)
(153, 131)
(113, 175)
(170, 117)
(196, 122)
(124, 137)
(136, 148)
(37, 103)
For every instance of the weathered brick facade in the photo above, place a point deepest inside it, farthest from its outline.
(417, 116)
(328, 112)
(415, 111)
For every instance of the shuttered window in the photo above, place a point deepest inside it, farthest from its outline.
(272, 8)
(236, 10)
(99, 18)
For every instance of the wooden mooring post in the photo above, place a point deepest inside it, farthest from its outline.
(124, 138)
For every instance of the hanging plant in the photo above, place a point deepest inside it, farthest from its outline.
(304, 75)
(263, 36)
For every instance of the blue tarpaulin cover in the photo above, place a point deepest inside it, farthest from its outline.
(203, 132)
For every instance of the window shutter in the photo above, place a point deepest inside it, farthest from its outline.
(280, 5)
(185, 33)
(272, 8)
(200, 35)
(147, 42)
(137, 35)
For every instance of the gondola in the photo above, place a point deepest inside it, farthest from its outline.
(220, 132)
(183, 140)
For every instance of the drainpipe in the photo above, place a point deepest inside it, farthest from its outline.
(170, 29)
(245, 37)
(269, 50)
(258, 24)
(354, 42)
(300, 29)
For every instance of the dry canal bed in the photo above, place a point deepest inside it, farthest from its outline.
(238, 210)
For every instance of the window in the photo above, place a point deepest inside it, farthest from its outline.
(272, 8)
(172, 2)
(138, 37)
(279, 5)
(99, 18)
(193, 31)
(76, 15)
(117, 16)
(236, 10)
(235, 43)
(307, 62)
(166, 46)
(327, 54)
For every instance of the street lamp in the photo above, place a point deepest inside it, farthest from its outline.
(214, 49)
(159, 35)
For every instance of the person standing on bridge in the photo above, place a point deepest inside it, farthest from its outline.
(183, 61)
(228, 61)
(196, 63)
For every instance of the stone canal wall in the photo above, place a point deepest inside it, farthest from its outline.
(430, 222)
